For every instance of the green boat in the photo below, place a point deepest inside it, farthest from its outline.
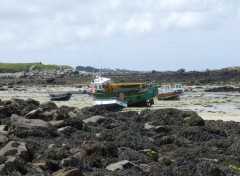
(123, 94)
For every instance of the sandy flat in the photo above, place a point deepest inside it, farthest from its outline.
(210, 106)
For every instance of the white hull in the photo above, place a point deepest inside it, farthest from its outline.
(109, 102)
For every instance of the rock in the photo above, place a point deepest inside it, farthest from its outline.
(3, 129)
(171, 117)
(3, 139)
(42, 166)
(56, 123)
(7, 111)
(13, 164)
(210, 168)
(67, 130)
(35, 114)
(147, 126)
(51, 146)
(15, 149)
(48, 106)
(133, 140)
(58, 153)
(73, 122)
(119, 165)
(32, 101)
(94, 119)
(68, 172)
(161, 129)
(72, 114)
(18, 121)
(145, 168)
(35, 132)
(72, 162)
(203, 133)
(103, 149)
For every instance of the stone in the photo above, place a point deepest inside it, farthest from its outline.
(3, 139)
(70, 171)
(94, 119)
(15, 149)
(18, 121)
(119, 165)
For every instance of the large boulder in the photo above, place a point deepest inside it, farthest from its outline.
(48, 106)
(18, 121)
(47, 115)
(171, 117)
(203, 133)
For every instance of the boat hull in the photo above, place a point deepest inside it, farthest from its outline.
(139, 98)
(168, 96)
(110, 102)
(60, 97)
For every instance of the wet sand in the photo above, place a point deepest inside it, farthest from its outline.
(209, 105)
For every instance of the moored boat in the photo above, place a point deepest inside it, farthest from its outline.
(178, 88)
(123, 94)
(165, 92)
(60, 97)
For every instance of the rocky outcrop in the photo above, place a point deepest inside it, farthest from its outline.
(96, 141)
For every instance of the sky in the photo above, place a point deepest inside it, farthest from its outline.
(122, 34)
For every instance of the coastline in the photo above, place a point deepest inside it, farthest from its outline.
(208, 105)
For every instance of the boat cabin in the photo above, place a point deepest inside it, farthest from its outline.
(165, 88)
(178, 88)
(100, 83)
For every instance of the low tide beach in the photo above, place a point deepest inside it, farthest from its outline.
(208, 105)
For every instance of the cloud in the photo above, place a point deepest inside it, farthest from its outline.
(139, 24)
(51, 24)
(183, 20)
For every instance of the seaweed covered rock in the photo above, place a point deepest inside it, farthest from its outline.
(35, 132)
(48, 106)
(172, 117)
(18, 106)
(134, 140)
(73, 122)
(85, 142)
(71, 171)
(103, 149)
(18, 149)
(203, 133)
(18, 121)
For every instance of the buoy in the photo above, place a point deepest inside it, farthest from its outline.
(121, 96)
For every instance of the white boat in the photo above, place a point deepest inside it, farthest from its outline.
(178, 88)
(165, 92)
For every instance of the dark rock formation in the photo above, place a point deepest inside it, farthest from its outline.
(98, 141)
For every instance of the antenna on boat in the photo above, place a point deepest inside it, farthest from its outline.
(93, 72)
(101, 66)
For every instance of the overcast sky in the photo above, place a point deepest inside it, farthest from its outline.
(131, 34)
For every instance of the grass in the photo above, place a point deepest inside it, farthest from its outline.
(18, 67)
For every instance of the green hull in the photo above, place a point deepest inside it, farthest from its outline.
(141, 97)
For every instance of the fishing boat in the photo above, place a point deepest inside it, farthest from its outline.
(165, 92)
(60, 97)
(122, 94)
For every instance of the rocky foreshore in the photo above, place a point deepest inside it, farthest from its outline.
(222, 77)
(44, 139)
